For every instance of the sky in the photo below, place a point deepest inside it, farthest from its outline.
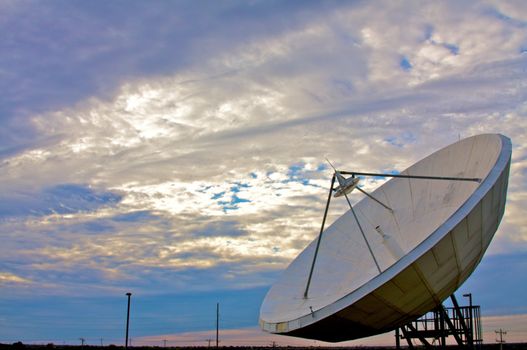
(176, 150)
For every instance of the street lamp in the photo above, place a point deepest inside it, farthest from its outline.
(127, 320)
(469, 296)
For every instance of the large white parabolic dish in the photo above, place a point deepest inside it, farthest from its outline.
(443, 228)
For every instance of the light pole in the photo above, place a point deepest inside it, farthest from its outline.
(471, 341)
(127, 320)
(217, 325)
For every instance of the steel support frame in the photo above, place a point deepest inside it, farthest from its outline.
(443, 326)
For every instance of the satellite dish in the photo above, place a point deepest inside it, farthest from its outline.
(425, 242)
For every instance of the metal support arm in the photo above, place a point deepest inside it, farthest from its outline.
(449, 178)
(319, 237)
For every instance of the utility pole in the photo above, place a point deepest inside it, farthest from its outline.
(501, 332)
(127, 320)
(164, 343)
(217, 325)
(82, 342)
(208, 341)
(101, 341)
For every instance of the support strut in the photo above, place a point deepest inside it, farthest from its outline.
(375, 199)
(362, 232)
(449, 178)
(319, 237)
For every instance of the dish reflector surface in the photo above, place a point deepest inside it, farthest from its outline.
(442, 228)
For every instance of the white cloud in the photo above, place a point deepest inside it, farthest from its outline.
(7, 278)
(176, 146)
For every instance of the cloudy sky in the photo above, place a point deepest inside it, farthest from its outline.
(176, 150)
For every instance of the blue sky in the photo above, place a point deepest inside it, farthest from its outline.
(176, 150)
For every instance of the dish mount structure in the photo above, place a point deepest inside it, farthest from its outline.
(400, 251)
